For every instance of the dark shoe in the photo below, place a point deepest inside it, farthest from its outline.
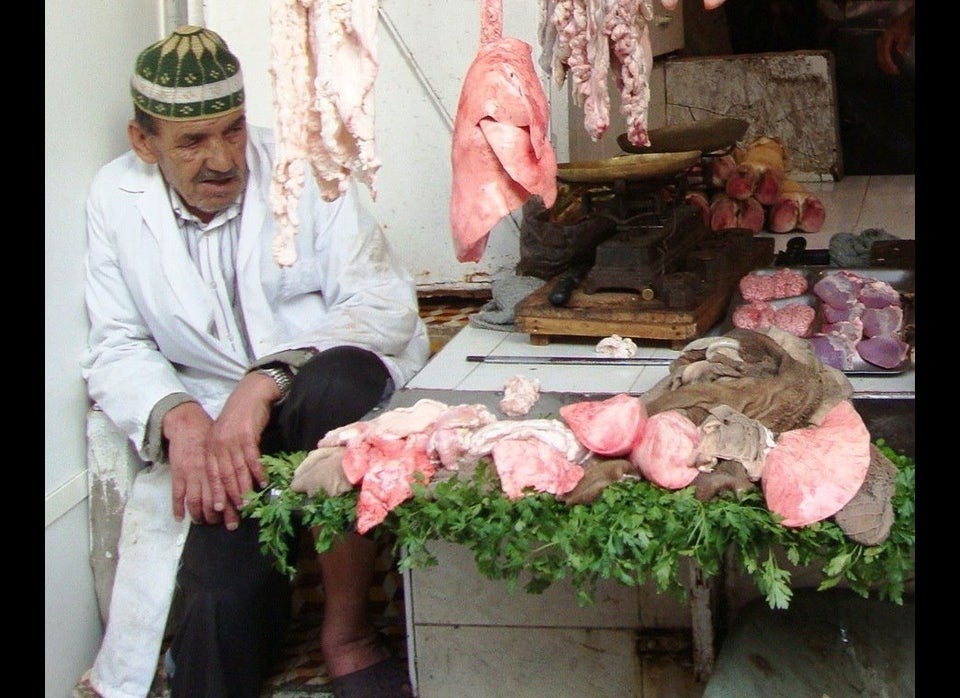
(385, 679)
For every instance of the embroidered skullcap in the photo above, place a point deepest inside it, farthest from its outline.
(189, 75)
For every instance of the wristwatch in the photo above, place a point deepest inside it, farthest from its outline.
(281, 376)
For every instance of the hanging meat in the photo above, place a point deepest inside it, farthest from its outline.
(323, 68)
(589, 39)
(594, 39)
(501, 153)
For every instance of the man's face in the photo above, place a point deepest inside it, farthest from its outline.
(204, 161)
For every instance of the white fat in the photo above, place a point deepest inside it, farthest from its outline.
(617, 346)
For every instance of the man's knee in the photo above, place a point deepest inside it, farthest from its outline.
(343, 374)
(336, 387)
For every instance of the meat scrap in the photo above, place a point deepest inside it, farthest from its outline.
(323, 66)
(729, 435)
(795, 318)
(520, 394)
(451, 433)
(598, 474)
(755, 315)
(321, 471)
(396, 423)
(839, 290)
(881, 321)
(617, 347)
(525, 462)
(795, 208)
(868, 517)
(886, 351)
(834, 350)
(501, 152)
(541, 454)
(760, 171)
(726, 212)
(390, 467)
(552, 432)
(729, 475)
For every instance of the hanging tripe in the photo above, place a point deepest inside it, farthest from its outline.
(592, 40)
(323, 69)
(501, 152)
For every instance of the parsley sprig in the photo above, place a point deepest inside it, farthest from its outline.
(633, 532)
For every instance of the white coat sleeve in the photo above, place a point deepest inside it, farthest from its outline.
(125, 372)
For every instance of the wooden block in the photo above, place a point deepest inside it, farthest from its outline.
(787, 95)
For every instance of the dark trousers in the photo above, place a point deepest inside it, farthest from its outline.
(233, 605)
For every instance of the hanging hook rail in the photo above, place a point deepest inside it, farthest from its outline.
(417, 70)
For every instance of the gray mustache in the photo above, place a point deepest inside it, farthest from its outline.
(211, 176)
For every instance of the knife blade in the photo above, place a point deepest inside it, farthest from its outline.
(572, 360)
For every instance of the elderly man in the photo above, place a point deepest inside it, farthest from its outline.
(207, 354)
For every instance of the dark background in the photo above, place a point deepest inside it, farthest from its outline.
(876, 111)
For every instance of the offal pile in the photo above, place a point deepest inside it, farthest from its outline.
(735, 412)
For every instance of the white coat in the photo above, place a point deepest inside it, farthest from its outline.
(150, 314)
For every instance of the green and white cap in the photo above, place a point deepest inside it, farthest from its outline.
(189, 75)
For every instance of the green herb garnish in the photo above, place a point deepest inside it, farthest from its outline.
(634, 532)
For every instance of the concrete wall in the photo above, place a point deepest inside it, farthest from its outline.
(89, 49)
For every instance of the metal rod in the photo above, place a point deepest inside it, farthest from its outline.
(885, 394)
(424, 81)
(572, 360)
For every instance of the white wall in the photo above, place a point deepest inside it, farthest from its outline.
(89, 48)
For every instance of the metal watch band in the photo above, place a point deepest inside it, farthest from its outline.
(281, 377)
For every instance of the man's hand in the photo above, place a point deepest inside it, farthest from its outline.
(186, 427)
(214, 462)
(233, 444)
(895, 38)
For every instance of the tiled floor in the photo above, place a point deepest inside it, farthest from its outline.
(447, 315)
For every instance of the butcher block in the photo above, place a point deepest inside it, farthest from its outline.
(644, 314)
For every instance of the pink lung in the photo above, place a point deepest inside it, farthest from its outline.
(501, 152)
(667, 452)
(608, 427)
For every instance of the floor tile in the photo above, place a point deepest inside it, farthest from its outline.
(465, 661)
(455, 593)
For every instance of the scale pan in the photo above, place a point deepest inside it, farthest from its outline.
(633, 167)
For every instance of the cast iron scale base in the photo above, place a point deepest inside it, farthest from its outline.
(662, 274)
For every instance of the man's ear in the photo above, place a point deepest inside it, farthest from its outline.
(141, 143)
